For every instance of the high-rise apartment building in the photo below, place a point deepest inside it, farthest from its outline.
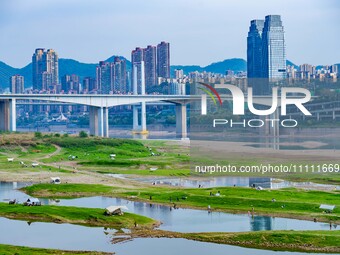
(70, 84)
(89, 85)
(104, 77)
(137, 56)
(111, 77)
(156, 64)
(150, 54)
(16, 84)
(273, 49)
(119, 76)
(163, 60)
(45, 70)
(179, 73)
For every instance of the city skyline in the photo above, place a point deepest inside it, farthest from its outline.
(216, 29)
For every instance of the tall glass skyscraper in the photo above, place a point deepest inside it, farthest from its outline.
(273, 49)
(266, 54)
(254, 49)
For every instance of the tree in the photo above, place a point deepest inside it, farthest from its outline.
(83, 134)
(38, 135)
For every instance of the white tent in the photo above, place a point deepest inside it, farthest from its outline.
(327, 207)
(55, 180)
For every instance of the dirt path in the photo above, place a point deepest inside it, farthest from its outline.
(56, 152)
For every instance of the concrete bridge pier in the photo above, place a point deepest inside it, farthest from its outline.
(271, 128)
(8, 115)
(181, 121)
(99, 121)
(139, 129)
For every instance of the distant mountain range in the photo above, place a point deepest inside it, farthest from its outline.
(71, 66)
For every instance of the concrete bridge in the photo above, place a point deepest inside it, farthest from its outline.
(98, 108)
(99, 105)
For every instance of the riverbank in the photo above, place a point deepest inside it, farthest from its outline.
(10, 250)
(292, 241)
(289, 203)
(74, 215)
(304, 241)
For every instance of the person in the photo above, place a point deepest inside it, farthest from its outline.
(150, 197)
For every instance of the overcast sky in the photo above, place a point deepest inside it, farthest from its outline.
(200, 32)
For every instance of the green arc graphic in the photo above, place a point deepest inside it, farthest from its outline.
(210, 94)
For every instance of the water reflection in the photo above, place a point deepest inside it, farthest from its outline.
(73, 237)
(227, 181)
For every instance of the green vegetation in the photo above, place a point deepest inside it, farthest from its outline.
(92, 154)
(73, 215)
(10, 250)
(311, 241)
(288, 202)
(83, 134)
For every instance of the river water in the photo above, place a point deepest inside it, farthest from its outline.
(73, 237)
(179, 220)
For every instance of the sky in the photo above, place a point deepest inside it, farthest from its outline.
(199, 32)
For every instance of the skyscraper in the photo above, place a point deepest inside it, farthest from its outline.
(16, 84)
(137, 56)
(103, 77)
(266, 54)
(89, 85)
(156, 62)
(150, 66)
(119, 76)
(70, 84)
(45, 70)
(254, 49)
(163, 60)
(111, 77)
(273, 49)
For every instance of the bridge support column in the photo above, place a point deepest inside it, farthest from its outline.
(94, 130)
(99, 121)
(139, 129)
(143, 118)
(275, 126)
(135, 117)
(8, 115)
(271, 128)
(181, 121)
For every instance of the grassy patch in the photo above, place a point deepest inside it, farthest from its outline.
(311, 241)
(289, 202)
(73, 215)
(10, 250)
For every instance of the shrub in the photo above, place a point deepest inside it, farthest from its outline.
(83, 134)
(38, 135)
